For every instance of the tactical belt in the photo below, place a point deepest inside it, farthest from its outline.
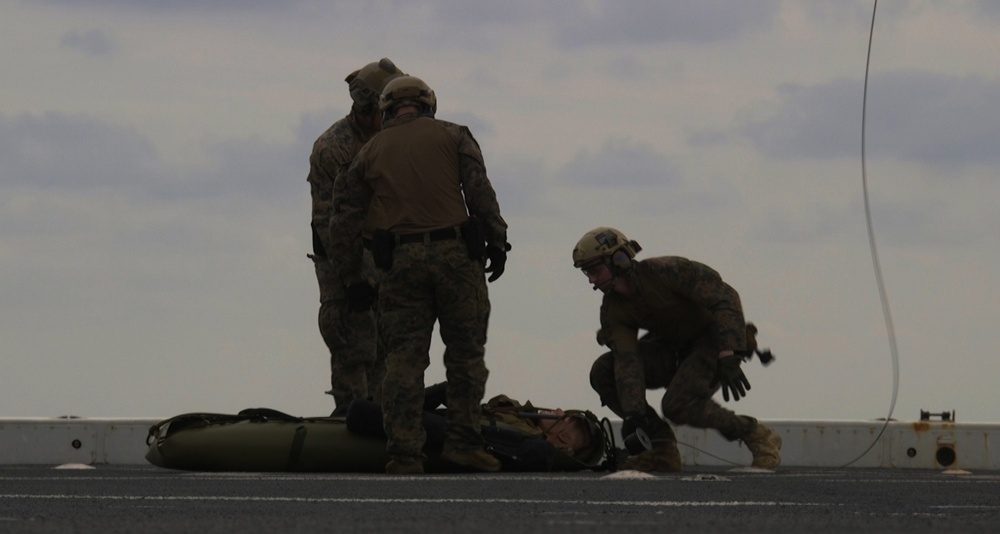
(443, 234)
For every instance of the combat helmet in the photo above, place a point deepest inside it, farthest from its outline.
(408, 90)
(366, 83)
(607, 245)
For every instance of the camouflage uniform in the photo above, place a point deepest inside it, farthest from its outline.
(356, 368)
(417, 176)
(691, 316)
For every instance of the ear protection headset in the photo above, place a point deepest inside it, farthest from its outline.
(620, 261)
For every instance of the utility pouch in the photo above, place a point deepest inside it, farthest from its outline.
(383, 241)
(475, 238)
(318, 250)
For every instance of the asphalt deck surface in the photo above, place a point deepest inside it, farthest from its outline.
(151, 500)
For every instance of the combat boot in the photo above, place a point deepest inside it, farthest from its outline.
(476, 459)
(400, 467)
(765, 445)
(664, 457)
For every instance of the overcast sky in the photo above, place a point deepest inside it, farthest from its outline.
(154, 209)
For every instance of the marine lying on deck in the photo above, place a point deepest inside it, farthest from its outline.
(522, 437)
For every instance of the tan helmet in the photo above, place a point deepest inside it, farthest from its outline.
(408, 90)
(605, 244)
(366, 83)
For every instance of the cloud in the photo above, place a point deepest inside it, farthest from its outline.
(74, 152)
(619, 163)
(461, 14)
(252, 168)
(935, 119)
(988, 8)
(519, 183)
(177, 5)
(77, 153)
(93, 43)
(658, 21)
(915, 116)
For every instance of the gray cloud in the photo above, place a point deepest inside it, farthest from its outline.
(252, 168)
(519, 183)
(989, 8)
(94, 42)
(810, 221)
(658, 21)
(922, 117)
(821, 121)
(73, 152)
(178, 5)
(619, 163)
(483, 26)
(458, 14)
(935, 119)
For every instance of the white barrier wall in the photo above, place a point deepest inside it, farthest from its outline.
(920, 445)
(83, 440)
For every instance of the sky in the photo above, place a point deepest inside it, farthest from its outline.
(154, 209)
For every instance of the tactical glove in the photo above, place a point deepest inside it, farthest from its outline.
(360, 296)
(498, 259)
(732, 378)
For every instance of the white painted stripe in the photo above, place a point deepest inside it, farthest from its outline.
(403, 501)
(966, 506)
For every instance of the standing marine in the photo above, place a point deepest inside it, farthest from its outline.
(418, 197)
(695, 342)
(356, 363)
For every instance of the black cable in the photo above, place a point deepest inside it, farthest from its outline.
(886, 313)
(883, 297)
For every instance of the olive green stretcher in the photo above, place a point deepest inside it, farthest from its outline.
(258, 440)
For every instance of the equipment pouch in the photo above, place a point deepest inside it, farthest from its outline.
(318, 250)
(475, 238)
(383, 241)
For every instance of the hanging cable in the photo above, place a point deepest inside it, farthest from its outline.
(883, 296)
(886, 313)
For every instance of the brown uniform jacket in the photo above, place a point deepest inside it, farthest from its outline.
(418, 174)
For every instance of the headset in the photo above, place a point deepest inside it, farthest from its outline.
(620, 261)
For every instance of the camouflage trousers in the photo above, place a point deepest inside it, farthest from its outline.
(428, 283)
(356, 368)
(690, 382)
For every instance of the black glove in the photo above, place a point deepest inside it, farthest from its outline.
(360, 296)
(732, 378)
(498, 259)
